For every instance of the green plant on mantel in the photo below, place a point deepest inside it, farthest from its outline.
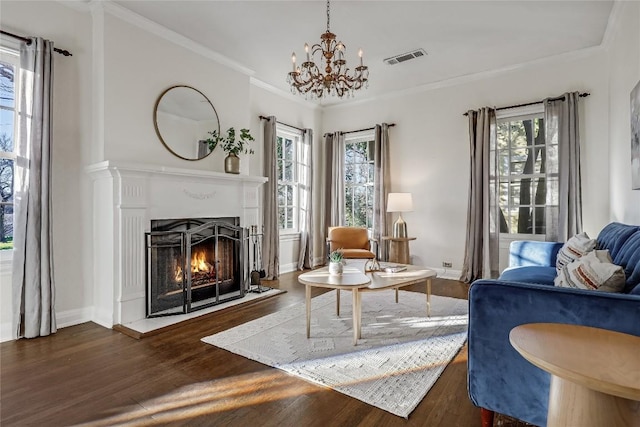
(229, 143)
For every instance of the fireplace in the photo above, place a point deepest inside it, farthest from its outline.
(194, 263)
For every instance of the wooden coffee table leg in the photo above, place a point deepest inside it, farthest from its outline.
(308, 305)
(356, 315)
(429, 297)
(338, 302)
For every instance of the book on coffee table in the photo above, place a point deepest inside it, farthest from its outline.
(395, 268)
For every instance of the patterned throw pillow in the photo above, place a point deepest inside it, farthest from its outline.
(593, 271)
(574, 248)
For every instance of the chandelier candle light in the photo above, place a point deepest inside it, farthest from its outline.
(337, 79)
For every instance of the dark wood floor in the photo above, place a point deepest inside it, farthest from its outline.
(90, 375)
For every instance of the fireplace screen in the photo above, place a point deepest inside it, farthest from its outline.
(194, 264)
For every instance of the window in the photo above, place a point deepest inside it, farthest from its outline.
(288, 157)
(526, 188)
(8, 118)
(359, 178)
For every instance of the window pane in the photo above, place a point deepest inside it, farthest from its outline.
(503, 194)
(279, 147)
(280, 173)
(289, 191)
(349, 174)
(513, 220)
(540, 191)
(552, 191)
(540, 220)
(503, 162)
(518, 161)
(539, 160)
(288, 171)
(281, 194)
(6, 130)
(503, 135)
(518, 135)
(7, 92)
(281, 218)
(289, 217)
(6, 227)
(288, 149)
(552, 159)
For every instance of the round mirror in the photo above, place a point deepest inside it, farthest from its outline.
(183, 116)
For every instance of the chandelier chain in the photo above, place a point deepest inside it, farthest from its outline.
(328, 30)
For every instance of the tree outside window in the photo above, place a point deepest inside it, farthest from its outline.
(359, 182)
(525, 186)
(287, 160)
(7, 146)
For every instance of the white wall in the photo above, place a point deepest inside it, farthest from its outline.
(623, 61)
(294, 112)
(71, 30)
(429, 145)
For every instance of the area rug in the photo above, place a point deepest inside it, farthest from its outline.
(400, 356)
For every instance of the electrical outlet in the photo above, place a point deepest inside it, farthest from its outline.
(446, 264)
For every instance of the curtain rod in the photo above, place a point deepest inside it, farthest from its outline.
(291, 126)
(582, 95)
(362, 130)
(28, 42)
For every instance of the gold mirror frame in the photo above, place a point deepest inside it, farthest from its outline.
(173, 146)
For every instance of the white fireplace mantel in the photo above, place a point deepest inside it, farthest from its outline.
(126, 197)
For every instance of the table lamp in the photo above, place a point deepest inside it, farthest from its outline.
(399, 202)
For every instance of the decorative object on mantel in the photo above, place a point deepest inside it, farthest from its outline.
(635, 137)
(336, 259)
(232, 147)
(180, 114)
(310, 81)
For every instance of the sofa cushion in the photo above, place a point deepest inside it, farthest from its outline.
(539, 275)
(629, 258)
(613, 236)
(574, 248)
(594, 271)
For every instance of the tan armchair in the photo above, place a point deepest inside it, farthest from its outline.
(353, 241)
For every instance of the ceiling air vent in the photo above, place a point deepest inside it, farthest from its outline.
(405, 57)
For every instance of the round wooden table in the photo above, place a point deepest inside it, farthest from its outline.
(595, 373)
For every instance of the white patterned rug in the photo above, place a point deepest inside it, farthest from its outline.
(400, 356)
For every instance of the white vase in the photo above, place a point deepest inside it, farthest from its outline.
(336, 267)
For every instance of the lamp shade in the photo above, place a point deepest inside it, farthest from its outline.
(399, 202)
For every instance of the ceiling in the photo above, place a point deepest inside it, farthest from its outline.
(460, 37)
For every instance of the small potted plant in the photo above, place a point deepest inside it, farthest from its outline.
(336, 262)
(232, 147)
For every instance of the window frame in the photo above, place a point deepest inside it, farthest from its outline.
(286, 132)
(10, 53)
(519, 114)
(355, 138)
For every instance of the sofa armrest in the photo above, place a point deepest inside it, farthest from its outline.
(500, 379)
(532, 253)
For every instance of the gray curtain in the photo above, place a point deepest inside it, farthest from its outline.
(562, 128)
(334, 182)
(305, 176)
(482, 244)
(33, 282)
(381, 218)
(271, 238)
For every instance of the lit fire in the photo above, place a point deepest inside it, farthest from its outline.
(199, 264)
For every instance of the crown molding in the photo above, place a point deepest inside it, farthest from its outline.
(170, 35)
(469, 78)
(284, 94)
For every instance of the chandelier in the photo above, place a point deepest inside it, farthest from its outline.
(337, 79)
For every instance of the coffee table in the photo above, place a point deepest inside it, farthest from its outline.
(595, 373)
(357, 281)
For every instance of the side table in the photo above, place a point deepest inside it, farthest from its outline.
(399, 249)
(595, 373)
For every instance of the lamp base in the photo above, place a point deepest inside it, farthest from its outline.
(400, 228)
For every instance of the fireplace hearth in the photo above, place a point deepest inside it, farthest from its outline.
(194, 263)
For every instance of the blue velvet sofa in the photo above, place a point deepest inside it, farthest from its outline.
(501, 380)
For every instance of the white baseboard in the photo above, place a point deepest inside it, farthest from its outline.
(288, 268)
(6, 330)
(447, 273)
(63, 319)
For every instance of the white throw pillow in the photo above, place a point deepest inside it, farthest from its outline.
(574, 248)
(593, 271)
